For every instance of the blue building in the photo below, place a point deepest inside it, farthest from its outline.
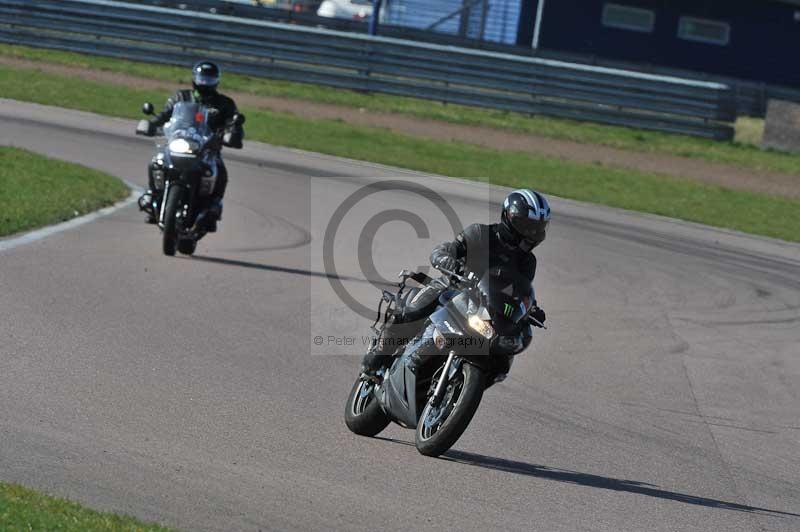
(483, 20)
(756, 40)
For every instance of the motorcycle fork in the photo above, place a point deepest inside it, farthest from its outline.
(163, 204)
(187, 211)
(441, 386)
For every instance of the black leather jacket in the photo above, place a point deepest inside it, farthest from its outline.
(482, 247)
(226, 107)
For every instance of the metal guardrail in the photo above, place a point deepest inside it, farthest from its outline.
(751, 97)
(373, 64)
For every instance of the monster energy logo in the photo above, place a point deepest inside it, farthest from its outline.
(507, 310)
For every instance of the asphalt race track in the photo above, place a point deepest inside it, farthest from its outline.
(665, 396)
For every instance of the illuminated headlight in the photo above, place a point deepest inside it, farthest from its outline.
(483, 327)
(182, 147)
(438, 339)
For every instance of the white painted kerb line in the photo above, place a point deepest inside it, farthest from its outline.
(38, 234)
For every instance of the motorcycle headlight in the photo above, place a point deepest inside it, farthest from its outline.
(482, 327)
(182, 147)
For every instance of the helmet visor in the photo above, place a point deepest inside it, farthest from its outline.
(205, 79)
(531, 230)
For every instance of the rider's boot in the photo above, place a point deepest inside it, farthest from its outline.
(214, 214)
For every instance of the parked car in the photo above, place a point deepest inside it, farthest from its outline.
(349, 9)
(298, 6)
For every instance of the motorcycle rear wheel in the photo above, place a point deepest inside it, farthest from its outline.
(362, 413)
(170, 221)
(439, 428)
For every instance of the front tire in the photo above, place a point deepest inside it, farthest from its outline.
(170, 221)
(439, 428)
(187, 247)
(362, 413)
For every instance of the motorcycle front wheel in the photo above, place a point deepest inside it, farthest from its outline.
(362, 413)
(187, 246)
(170, 240)
(440, 427)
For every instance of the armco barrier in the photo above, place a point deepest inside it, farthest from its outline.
(374, 64)
(750, 96)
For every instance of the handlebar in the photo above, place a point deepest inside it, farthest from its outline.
(452, 274)
(424, 279)
(469, 278)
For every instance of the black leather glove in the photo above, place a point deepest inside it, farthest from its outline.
(446, 262)
(538, 314)
(233, 139)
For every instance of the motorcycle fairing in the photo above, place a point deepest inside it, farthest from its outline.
(399, 393)
(452, 323)
(399, 388)
(449, 321)
(209, 179)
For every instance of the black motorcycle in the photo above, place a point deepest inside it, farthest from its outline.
(438, 395)
(184, 170)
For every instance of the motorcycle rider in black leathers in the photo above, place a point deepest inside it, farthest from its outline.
(522, 227)
(205, 80)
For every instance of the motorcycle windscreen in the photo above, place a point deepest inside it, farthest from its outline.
(189, 121)
(508, 295)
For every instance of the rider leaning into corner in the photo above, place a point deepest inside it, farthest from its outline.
(205, 80)
(522, 227)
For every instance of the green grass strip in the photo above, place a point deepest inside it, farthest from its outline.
(24, 510)
(639, 191)
(741, 154)
(37, 191)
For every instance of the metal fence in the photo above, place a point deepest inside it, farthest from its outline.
(751, 97)
(411, 19)
(373, 64)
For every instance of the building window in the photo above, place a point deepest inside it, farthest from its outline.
(629, 18)
(703, 30)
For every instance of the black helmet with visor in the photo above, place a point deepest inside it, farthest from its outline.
(205, 77)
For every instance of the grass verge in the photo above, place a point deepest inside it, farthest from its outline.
(639, 191)
(22, 509)
(38, 191)
(744, 152)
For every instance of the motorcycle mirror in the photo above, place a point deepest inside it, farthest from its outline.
(147, 108)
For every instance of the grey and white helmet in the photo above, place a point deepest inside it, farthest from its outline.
(526, 214)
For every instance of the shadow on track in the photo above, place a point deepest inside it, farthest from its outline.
(284, 269)
(592, 481)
